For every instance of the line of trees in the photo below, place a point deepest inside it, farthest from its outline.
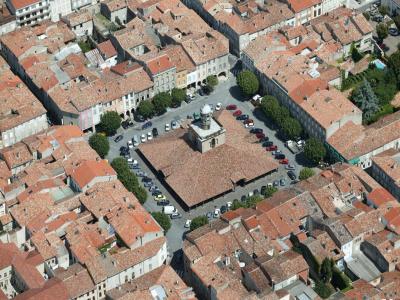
(128, 179)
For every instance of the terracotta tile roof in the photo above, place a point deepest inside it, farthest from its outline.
(52, 289)
(159, 64)
(283, 266)
(353, 141)
(91, 169)
(387, 161)
(18, 4)
(363, 289)
(299, 5)
(16, 155)
(211, 173)
(107, 49)
(78, 17)
(76, 279)
(390, 284)
(114, 5)
(380, 196)
(180, 59)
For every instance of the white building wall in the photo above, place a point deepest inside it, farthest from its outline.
(59, 8)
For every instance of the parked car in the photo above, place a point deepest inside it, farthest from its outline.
(135, 141)
(119, 138)
(393, 31)
(260, 135)
(256, 192)
(242, 117)
(163, 202)
(189, 98)
(160, 197)
(154, 131)
(271, 148)
(167, 127)
(284, 161)
(139, 118)
(156, 193)
(276, 183)
(174, 125)
(223, 209)
(248, 121)
(291, 175)
(209, 215)
(147, 179)
(149, 136)
(175, 216)
(377, 18)
(279, 156)
(243, 198)
(263, 190)
(267, 144)
(147, 125)
(169, 209)
(187, 223)
(130, 144)
(229, 205)
(143, 138)
(124, 150)
(282, 182)
(290, 167)
(218, 106)
(217, 213)
(126, 124)
(231, 107)
(237, 113)
(264, 139)
(256, 130)
(134, 167)
(148, 184)
(249, 125)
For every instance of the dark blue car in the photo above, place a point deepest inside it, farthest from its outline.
(147, 125)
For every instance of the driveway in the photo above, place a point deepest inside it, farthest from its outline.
(226, 93)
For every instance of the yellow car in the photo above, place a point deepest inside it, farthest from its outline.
(160, 197)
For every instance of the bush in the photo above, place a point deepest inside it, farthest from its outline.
(110, 121)
(270, 191)
(323, 290)
(146, 109)
(100, 144)
(162, 219)
(314, 150)
(248, 82)
(382, 31)
(306, 173)
(340, 280)
(198, 222)
(161, 101)
(212, 80)
(140, 193)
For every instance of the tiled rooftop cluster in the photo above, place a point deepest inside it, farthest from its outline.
(75, 229)
(338, 214)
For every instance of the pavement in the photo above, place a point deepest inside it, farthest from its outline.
(226, 93)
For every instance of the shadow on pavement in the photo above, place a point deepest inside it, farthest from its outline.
(236, 93)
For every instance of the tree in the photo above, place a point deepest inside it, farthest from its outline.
(270, 191)
(326, 270)
(396, 20)
(236, 204)
(355, 54)
(212, 80)
(306, 173)
(162, 219)
(291, 128)
(270, 106)
(382, 31)
(323, 290)
(383, 10)
(281, 115)
(146, 109)
(248, 82)
(366, 15)
(100, 144)
(110, 121)
(364, 97)
(314, 150)
(140, 193)
(178, 95)
(119, 164)
(161, 101)
(198, 222)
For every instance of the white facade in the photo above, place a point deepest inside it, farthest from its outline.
(16, 134)
(5, 282)
(31, 14)
(59, 8)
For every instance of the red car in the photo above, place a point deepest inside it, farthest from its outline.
(284, 161)
(272, 148)
(260, 135)
(237, 113)
(231, 107)
(248, 121)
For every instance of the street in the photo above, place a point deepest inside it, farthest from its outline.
(225, 93)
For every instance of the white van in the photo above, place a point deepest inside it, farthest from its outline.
(135, 140)
(169, 209)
